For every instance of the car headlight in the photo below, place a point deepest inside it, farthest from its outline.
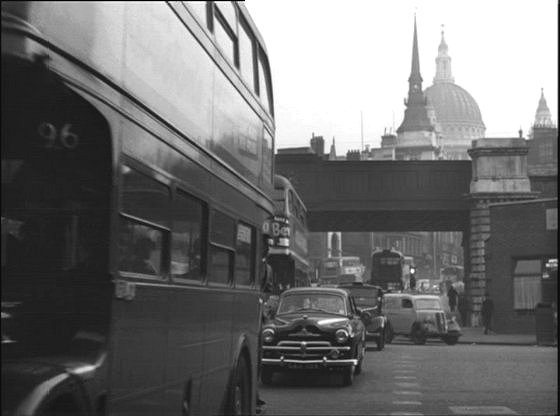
(341, 336)
(268, 335)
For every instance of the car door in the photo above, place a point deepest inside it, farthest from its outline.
(407, 315)
(401, 316)
(355, 321)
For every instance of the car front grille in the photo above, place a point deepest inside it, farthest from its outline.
(304, 350)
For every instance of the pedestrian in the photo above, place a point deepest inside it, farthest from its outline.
(487, 310)
(452, 298)
(463, 307)
(412, 282)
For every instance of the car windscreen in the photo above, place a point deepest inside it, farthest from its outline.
(363, 296)
(330, 303)
(428, 304)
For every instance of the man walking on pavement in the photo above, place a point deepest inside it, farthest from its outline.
(487, 311)
(452, 297)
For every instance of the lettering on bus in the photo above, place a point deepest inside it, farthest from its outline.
(278, 229)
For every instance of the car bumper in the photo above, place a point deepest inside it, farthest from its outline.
(303, 364)
(373, 335)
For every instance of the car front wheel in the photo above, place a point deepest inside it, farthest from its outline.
(389, 334)
(381, 340)
(348, 375)
(451, 340)
(361, 357)
(266, 375)
(417, 336)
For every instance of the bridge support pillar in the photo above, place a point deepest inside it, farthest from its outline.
(499, 174)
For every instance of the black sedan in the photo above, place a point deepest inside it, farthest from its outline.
(368, 298)
(314, 328)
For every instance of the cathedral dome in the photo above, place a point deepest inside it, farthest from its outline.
(457, 118)
(456, 113)
(454, 105)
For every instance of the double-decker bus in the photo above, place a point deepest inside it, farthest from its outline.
(336, 270)
(387, 269)
(287, 253)
(137, 144)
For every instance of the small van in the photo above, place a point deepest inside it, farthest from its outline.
(418, 317)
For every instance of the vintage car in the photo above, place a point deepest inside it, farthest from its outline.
(368, 298)
(419, 317)
(314, 328)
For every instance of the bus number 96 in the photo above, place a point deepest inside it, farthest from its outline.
(58, 139)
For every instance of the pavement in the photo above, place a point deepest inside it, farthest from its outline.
(477, 336)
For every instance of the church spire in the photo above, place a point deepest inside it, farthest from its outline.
(443, 63)
(415, 79)
(543, 118)
(415, 116)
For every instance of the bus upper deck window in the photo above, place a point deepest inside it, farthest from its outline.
(225, 35)
(264, 82)
(200, 9)
(247, 55)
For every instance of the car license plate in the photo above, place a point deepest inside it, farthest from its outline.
(299, 366)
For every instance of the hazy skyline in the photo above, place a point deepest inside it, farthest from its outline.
(332, 60)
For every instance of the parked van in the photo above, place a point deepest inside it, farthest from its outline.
(418, 317)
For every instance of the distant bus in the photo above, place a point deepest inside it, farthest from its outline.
(336, 270)
(137, 145)
(288, 253)
(387, 267)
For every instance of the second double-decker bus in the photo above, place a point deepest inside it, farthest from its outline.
(387, 269)
(137, 141)
(336, 270)
(288, 232)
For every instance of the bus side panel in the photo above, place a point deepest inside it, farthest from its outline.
(187, 311)
(139, 342)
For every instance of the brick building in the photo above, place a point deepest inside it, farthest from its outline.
(523, 238)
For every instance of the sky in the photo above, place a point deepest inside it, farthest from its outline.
(340, 65)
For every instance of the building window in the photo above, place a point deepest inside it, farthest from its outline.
(527, 284)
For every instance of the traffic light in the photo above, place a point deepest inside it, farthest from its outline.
(412, 270)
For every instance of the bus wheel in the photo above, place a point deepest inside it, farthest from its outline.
(240, 393)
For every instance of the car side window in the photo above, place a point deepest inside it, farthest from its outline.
(351, 307)
(406, 303)
(354, 305)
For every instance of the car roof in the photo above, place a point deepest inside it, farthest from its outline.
(411, 295)
(357, 284)
(314, 290)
